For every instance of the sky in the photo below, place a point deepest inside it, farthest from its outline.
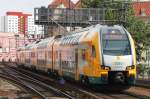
(26, 6)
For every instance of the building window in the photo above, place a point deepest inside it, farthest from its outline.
(143, 12)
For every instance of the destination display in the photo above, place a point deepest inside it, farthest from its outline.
(115, 36)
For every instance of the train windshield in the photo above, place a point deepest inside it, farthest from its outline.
(115, 41)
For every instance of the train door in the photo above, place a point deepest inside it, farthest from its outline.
(55, 62)
(82, 61)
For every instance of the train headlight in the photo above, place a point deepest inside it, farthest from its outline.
(107, 68)
(130, 67)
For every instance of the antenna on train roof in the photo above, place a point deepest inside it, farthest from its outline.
(57, 36)
(26, 44)
(38, 41)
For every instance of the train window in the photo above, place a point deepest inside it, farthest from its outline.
(68, 40)
(49, 54)
(56, 55)
(75, 40)
(93, 51)
(32, 54)
(65, 41)
(83, 54)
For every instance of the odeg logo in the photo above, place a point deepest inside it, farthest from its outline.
(118, 64)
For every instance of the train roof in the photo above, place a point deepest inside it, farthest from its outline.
(73, 37)
(21, 48)
(30, 45)
(76, 36)
(91, 27)
(44, 43)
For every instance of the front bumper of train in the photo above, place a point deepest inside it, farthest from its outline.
(129, 79)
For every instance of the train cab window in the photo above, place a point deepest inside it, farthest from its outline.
(93, 51)
(115, 41)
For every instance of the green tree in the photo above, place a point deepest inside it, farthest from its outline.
(139, 30)
(110, 14)
(141, 69)
(90, 3)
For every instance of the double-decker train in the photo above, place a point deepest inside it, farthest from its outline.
(99, 54)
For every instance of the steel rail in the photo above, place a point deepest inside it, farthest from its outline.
(17, 81)
(65, 90)
(75, 88)
(48, 87)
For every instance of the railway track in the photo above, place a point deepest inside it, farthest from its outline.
(43, 90)
(143, 83)
(71, 93)
(74, 92)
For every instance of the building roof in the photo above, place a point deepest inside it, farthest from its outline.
(17, 13)
(78, 4)
(8, 34)
(142, 8)
(66, 3)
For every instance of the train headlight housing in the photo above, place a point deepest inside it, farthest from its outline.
(130, 67)
(105, 67)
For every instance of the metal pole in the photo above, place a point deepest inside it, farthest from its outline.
(16, 43)
(24, 38)
(9, 45)
(16, 37)
(148, 64)
(16, 47)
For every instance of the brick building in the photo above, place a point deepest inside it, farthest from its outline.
(142, 10)
(61, 4)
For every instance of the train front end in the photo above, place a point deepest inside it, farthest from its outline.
(118, 56)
